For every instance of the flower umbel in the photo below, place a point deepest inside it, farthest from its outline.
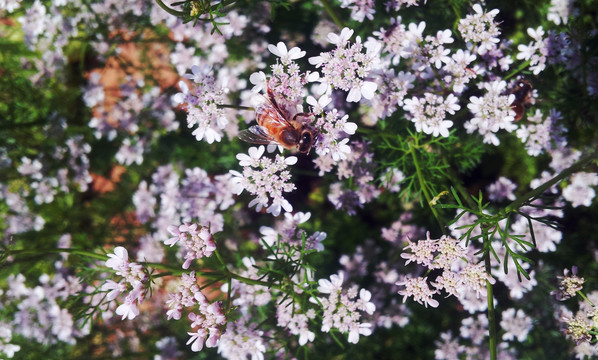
(197, 241)
(134, 277)
(267, 179)
(569, 285)
(347, 67)
(341, 308)
(202, 104)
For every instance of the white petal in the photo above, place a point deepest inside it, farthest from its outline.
(354, 95)
(368, 89)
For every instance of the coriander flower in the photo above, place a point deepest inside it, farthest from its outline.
(536, 52)
(134, 277)
(202, 103)
(360, 9)
(429, 113)
(266, 179)
(580, 189)
(559, 11)
(569, 285)
(342, 309)
(480, 29)
(515, 324)
(492, 112)
(197, 241)
(347, 67)
(290, 317)
(419, 289)
(286, 56)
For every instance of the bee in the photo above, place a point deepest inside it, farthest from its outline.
(274, 126)
(523, 97)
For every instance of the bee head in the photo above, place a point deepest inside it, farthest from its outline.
(306, 141)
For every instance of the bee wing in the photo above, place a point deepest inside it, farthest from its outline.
(269, 110)
(256, 135)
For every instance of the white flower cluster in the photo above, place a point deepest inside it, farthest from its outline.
(480, 29)
(209, 319)
(360, 9)
(290, 317)
(541, 134)
(286, 232)
(133, 276)
(347, 67)
(333, 129)
(429, 113)
(491, 112)
(266, 179)
(342, 308)
(197, 241)
(203, 104)
(580, 191)
(536, 52)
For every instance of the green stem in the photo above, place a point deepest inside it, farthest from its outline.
(518, 70)
(580, 293)
(422, 184)
(489, 293)
(251, 281)
(10, 252)
(219, 258)
(169, 10)
(238, 107)
(520, 201)
(330, 10)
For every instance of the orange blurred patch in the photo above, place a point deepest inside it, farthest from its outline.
(102, 185)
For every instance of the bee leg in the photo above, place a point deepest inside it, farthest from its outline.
(302, 115)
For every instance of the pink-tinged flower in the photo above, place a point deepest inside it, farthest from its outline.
(342, 39)
(286, 56)
(480, 29)
(475, 329)
(429, 113)
(206, 317)
(421, 252)
(290, 317)
(360, 9)
(364, 300)
(334, 284)
(128, 309)
(266, 179)
(580, 191)
(259, 80)
(118, 260)
(342, 309)
(252, 159)
(559, 11)
(448, 347)
(492, 112)
(347, 67)
(569, 285)
(419, 289)
(515, 324)
(203, 104)
(198, 73)
(502, 189)
(196, 241)
(114, 289)
(242, 340)
(364, 329)
(197, 339)
(536, 52)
